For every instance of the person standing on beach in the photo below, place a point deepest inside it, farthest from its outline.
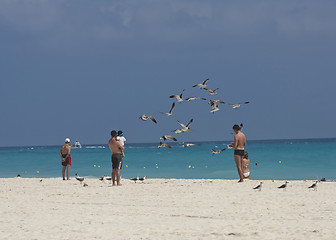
(66, 158)
(246, 164)
(117, 150)
(239, 145)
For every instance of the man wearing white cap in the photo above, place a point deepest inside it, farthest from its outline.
(66, 158)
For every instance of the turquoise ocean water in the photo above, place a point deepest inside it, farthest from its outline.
(276, 159)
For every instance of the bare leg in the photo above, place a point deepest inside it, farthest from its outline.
(114, 176)
(118, 177)
(63, 172)
(68, 171)
(239, 159)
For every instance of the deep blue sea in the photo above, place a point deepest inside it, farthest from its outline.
(275, 159)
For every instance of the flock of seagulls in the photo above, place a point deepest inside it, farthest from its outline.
(284, 186)
(186, 127)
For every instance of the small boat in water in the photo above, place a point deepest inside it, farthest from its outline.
(77, 145)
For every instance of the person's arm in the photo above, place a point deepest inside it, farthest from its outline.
(121, 147)
(244, 141)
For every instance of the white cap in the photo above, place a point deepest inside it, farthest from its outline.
(67, 140)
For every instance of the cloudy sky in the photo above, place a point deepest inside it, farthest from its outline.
(79, 69)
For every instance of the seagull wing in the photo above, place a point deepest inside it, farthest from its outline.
(204, 82)
(189, 122)
(182, 93)
(172, 108)
(244, 103)
(152, 118)
(174, 96)
(171, 138)
(223, 149)
(166, 145)
(209, 90)
(195, 85)
(182, 125)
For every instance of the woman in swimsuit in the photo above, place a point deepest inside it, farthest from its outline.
(246, 164)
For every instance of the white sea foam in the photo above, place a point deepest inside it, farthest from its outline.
(95, 147)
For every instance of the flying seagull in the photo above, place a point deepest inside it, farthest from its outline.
(213, 151)
(81, 179)
(143, 117)
(215, 101)
(211, 92)
(188, 144)
(134, 179)
(314, 186)
(142, 179)
(163, 145)
(214, 107)
(177, 131)
(284, 186)
(170, 111)
(165, 137)
(202, 85)
(178, 97)
(241, 126)
(194, 98)
(237, 105)
(185, 128)
(259, 186)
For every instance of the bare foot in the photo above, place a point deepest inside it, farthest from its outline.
(119, 184)
(241, 180)
(114, 184)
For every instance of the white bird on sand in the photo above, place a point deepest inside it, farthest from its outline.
(259, 186)
(185, 128)
(145, 118)
(314, 186)
(178, 97)
(202, 85)
(102, 178)
(108, 178)
(194, 98)
(283, 186)
(165, 137)
(134, 179)
(81, 179)
(213, 151)
(170, 111)
(211, 92)
(142, 179)
(163, 145)
(188, 144)
(237, 105)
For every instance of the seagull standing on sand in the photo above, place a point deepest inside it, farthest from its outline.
(165, 137)
(259, 186)
(81, 179)
(185, 128)
(314, 186)
(211, 92)
(171, 110)
(213, 151)
(194, 98)
(283, 186)
(143, 117)
(134, 179)
(178, 97)
(163, 145)
(202, 85)
(237, 105)
(142, 179)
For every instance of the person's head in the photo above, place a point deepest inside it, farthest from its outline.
(236, 128)
(120, 133)
(113, 134)
(245, 155)
(67, 140)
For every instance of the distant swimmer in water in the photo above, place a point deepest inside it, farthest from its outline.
(246, 164)
(66, 158)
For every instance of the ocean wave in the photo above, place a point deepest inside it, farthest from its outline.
(95, 147)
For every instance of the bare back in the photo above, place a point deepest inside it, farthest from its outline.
(246, 164)
(65, 149)
(115, 146)
(239, 141)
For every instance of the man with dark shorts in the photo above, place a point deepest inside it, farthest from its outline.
(66, 158)
(117, 151)
(238, 145)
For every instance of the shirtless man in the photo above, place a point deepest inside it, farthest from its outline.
(66, 158)
(117, 150)
(238, 145)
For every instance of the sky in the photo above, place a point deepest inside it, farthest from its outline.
(82, 68)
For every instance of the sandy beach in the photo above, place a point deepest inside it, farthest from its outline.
(165, 209)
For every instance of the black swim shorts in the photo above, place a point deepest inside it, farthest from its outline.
(239, 152)
(117, 161)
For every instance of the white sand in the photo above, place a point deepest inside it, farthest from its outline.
(165, 209)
